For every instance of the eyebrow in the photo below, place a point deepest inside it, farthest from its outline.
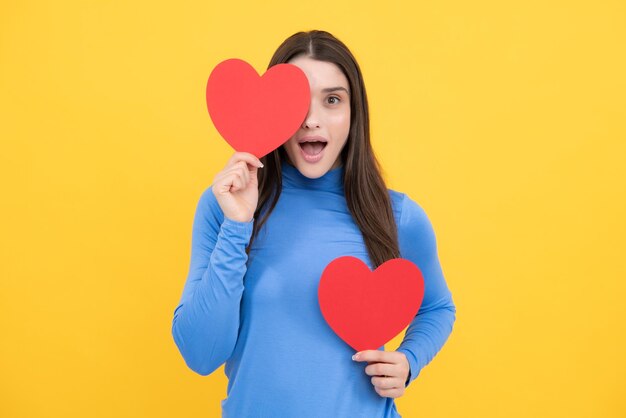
(331, 89)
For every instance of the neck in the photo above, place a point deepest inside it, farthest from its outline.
(332, 180)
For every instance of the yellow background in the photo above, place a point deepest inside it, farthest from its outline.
(504, 120)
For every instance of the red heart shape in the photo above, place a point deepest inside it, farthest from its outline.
(253, 113)
(367, 309)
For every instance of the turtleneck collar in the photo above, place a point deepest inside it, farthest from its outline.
(332, 180)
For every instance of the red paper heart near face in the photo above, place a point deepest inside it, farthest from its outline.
(253, 113)
(367, 309)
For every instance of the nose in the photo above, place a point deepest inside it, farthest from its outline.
(311, 121)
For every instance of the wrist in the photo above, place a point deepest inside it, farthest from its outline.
(237, 219)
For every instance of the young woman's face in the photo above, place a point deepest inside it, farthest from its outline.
(315, 148)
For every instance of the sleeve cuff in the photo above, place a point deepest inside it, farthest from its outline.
(413, 366)
(235, 233)
(238, 228)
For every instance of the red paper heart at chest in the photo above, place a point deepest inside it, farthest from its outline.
(253, 113)
(367, 309)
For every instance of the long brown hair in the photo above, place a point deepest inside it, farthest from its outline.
(366, 194)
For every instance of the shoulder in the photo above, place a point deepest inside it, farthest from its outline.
(406, 210)
(412, 220)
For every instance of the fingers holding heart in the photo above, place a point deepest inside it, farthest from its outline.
(380, 369)
(238, 182)
(228, 181)
(244, 157)
(384, 375)
(385, 382)
(241, 169)
(389, 371)
(389, 393)
(235, 178)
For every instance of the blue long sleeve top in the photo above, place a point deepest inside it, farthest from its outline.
(259, 314)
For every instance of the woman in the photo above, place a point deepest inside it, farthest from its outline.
(264, 232)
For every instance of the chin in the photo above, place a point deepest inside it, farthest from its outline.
(308, 169)
(312, 171)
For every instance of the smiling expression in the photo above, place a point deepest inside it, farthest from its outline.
(315, 148)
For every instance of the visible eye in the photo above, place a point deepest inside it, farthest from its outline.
(335, 98)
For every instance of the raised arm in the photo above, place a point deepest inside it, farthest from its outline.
(206, 321)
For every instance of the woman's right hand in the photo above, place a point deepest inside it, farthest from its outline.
(236, 187)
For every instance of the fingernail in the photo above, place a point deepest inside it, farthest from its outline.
(260, 164)
(355, 357)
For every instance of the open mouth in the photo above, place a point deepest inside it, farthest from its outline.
(312, 148)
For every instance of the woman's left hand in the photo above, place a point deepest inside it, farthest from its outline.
(389, 371)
